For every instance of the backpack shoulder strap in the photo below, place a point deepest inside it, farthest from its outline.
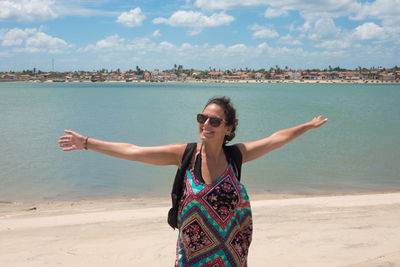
(235, 157)
(187, 155)
(177, 188)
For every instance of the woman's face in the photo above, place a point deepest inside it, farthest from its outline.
(208, 132)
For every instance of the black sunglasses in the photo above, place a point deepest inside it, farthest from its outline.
(214, 122)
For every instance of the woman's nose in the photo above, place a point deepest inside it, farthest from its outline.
(207, 121)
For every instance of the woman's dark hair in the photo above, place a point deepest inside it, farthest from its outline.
(230, 114)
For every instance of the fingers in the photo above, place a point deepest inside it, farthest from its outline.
(323, 121)
(320, 118)
(318, 121)
(65, 141)
(62, 144)
(71, 141)
(68, 147)
(65, 144)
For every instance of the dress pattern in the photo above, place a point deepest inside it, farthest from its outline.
(215, 222)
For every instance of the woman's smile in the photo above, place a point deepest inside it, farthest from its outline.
(207, 131)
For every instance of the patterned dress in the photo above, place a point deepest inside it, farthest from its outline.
(215, 222)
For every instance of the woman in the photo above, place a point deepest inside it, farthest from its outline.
(214, 217)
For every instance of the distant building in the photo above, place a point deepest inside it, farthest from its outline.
(215, 74)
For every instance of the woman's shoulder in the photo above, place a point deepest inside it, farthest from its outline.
(180, 148)
(235, 147)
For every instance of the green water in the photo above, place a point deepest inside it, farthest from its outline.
(358, 150)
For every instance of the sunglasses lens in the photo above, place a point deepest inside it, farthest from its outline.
(201, 118)
(215, 122)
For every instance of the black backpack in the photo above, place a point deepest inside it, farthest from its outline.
(233, 156)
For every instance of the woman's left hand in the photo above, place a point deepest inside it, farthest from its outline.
(318, 122)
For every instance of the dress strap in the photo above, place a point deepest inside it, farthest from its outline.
(197, 166)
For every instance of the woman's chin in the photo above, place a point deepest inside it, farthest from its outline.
(205, 137)
(208, 137)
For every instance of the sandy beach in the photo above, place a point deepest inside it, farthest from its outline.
(351, 230)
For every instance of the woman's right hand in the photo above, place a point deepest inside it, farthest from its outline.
(72, 141)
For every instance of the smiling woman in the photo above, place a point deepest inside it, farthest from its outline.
(214, 216)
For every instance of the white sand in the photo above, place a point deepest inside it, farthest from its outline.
(357, 230)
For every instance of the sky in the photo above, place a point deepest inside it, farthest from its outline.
(200, 34)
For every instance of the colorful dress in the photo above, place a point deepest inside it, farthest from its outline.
(215, 222)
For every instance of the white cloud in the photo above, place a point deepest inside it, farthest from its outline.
(42, 10)
(288, 39)
(186, 46)
(133, 18)
(27, 10)
(386, 10)
(116, 52)
(41, 42)
(320, 14)
(324, 28)
(156, 33)
(84, 9)
(167, 46)
(13, 37)
(34, 40)
(321, 30)
(139, 46)
(275, 13)
(263, 32)
(306, 27)
(369, 31)
(326, 9)
(227, 4)
(112, 42)
(146, 51)
(40, 39)
(237, 49)
(195, 20)
(309, 10)
(334, 44)
(194, 31)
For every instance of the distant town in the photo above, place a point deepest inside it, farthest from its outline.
(177, 73)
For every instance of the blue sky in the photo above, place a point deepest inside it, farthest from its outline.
(222, 34)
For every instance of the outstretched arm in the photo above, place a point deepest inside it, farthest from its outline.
(253, 150)
(157, 155)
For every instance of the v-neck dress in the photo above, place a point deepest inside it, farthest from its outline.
(214, 221)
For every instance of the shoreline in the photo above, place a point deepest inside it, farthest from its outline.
(220, 81)
(146, 201)
(349, 230)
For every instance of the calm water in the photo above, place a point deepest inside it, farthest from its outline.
(357, 151)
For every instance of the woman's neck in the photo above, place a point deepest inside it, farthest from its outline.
(212, 151)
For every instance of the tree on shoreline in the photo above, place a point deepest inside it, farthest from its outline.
(178, 69)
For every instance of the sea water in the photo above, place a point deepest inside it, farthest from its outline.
(358, 150)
